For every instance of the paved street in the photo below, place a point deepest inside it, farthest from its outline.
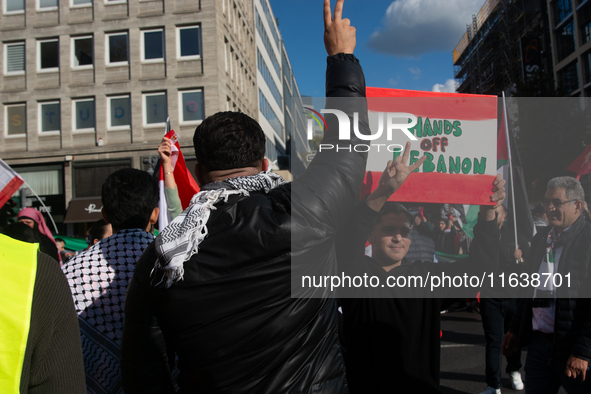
(462, 355)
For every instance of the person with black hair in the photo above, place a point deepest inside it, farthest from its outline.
(99, 276)
(98, 231)
(393, 338)
(215, 288)
(26, 233)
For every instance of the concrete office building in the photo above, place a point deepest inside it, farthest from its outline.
(86, 87)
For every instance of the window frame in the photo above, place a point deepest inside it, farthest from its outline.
(87, 130)
(20, 135)
(144, 108)
(17, 12)
(143, 43)
(109, 2)
(178, 43)
(40, 118)
(181, 105)
(83, 5)
(108, 62)
(52, 69)
(73, 52)
(116, 128)
(11, 73)
(46, 9)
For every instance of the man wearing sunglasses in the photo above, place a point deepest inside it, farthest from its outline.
(555, 318)
(391, 334)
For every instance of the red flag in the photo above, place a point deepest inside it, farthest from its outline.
(10, 182)
(185, 183)
(582, 164)
(502, 151)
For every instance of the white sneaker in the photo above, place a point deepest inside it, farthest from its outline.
(491, 390)
(516, 382)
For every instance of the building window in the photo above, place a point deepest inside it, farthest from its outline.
(119, 112)
(47, 5)
(568, 78)
(155, 109)
(15, 119)
(267, 42)
(562, 10)
(48, 54)
(192, 107)
(115, 1)
(152, 45)
(82, 52)
(49, 116)
(117, 48)
(264, 70)
(14, 58)
(565, 40)
(587, 65)
(269, 114)
(83, 111)
(80, 3)
(189, 42)
(14, 6)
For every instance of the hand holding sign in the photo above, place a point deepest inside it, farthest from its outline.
(497, 197)
(392, 178)
(339, 35)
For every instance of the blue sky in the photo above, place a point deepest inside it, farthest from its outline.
(402, 44)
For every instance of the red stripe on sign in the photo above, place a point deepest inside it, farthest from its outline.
(432, 187)
(449, 106)
(8, 190)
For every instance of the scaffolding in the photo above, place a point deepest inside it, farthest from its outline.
(487, 60)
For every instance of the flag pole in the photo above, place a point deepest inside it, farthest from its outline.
(41, 201)
(510, 172)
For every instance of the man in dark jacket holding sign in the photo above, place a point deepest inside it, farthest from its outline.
(392, 327)
(215, 287)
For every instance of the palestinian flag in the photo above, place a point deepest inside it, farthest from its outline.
(457, 133)
(507, 154)
(582, 164)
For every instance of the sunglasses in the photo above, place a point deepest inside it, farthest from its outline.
(555, 203)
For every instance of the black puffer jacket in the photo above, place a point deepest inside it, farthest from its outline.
(572, 324)
(232, 320)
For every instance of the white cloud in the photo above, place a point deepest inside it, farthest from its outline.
(413, 27)
(449, 86)
(415, 71)
(393, 82)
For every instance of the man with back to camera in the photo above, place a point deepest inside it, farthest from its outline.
(555, 318)
(98, 277)
(393, 342)
(222, 302)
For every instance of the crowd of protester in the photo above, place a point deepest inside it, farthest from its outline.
(208, 305)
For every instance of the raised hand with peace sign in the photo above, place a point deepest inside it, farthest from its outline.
(339, 35)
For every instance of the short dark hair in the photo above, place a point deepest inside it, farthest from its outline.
(98, 230)
(228, 140)
(397, 208)
(129, 196)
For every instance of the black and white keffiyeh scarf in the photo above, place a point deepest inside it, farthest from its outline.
(98, 279)
(180, 240)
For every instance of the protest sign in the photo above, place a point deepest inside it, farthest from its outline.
(457, 133)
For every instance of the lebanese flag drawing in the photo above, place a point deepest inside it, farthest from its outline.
(10, 182)
(457, 133)
(185, 183)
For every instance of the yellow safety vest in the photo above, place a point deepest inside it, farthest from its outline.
(18, 268)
